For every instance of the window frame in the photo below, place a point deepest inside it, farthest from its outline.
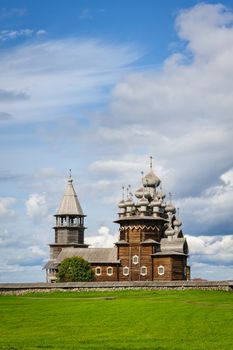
(163, 270)
(137, 259)
(111, 273)
(141, 270)
(98, 273)
(125, 274)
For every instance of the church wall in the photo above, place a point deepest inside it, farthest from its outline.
(178, 268)
(126, 255)
(146, 261)
(105, 276)
(174, 268)
(165, 262)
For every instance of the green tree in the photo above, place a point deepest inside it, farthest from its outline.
(75, 269)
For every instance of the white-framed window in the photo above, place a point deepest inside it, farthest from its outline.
(109, 271)
(161, 270)
(125, 271)
(135, 259)
(98, 271)
(143, 270)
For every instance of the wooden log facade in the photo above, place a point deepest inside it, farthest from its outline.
(151, 245)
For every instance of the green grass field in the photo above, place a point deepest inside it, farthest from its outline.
(118, 320)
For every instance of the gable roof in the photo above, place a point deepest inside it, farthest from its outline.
(92, 255)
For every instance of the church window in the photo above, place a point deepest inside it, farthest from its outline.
(125, 271)
(143, 270)
(135, 259)
(109, 271)
(98, 271)
(161, 270)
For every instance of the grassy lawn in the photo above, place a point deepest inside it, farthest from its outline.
(171, 320)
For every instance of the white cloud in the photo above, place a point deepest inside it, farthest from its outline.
(114, 166)
(40, 32)
(68, 73)
(215, 249)
(227, 177)
(103, 239)
(214, 21)
(212, 208)
(182, 114)
(211, 271)
(189, 99)
(13, 34)
(36, 206)
(5, 206)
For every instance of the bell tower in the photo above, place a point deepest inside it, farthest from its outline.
(69, 227)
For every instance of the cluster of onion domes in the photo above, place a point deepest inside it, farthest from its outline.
(150, 202)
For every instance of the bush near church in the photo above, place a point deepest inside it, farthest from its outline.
(75, 269)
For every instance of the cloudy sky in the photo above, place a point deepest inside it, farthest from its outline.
(98, 87)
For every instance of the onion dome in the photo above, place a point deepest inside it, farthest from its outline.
(163, 205)
(149, 192)
(170, 208)
(129, 202)
(155, 203)
(121, 204)
(139, 193)
(177, 222)
(151, 180)
(169, 231)
(161, 194)
(143, 201)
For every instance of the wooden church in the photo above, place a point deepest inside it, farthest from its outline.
(151, 245)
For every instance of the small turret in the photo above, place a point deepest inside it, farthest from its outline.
(151, 179)
(129, 202)
(122, 204)
(155, 205)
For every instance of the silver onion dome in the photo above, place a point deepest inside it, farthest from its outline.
(161, 194)
(169, 231)
(151, 180)
(139, 193)
(170, 208)
(129, 202)
(177, 222)
(121, 204)
(143, 201)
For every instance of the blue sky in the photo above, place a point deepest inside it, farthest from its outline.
(98, 87)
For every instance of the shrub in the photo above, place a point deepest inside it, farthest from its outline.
(75, 269)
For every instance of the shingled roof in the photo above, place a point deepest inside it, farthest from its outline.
(92, 255)
(70, 204)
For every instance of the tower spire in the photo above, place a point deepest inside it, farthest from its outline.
(123, 192)
(151, 162)
(142, 173)
(70, 204)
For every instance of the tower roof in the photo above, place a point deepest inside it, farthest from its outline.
(70, 204)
